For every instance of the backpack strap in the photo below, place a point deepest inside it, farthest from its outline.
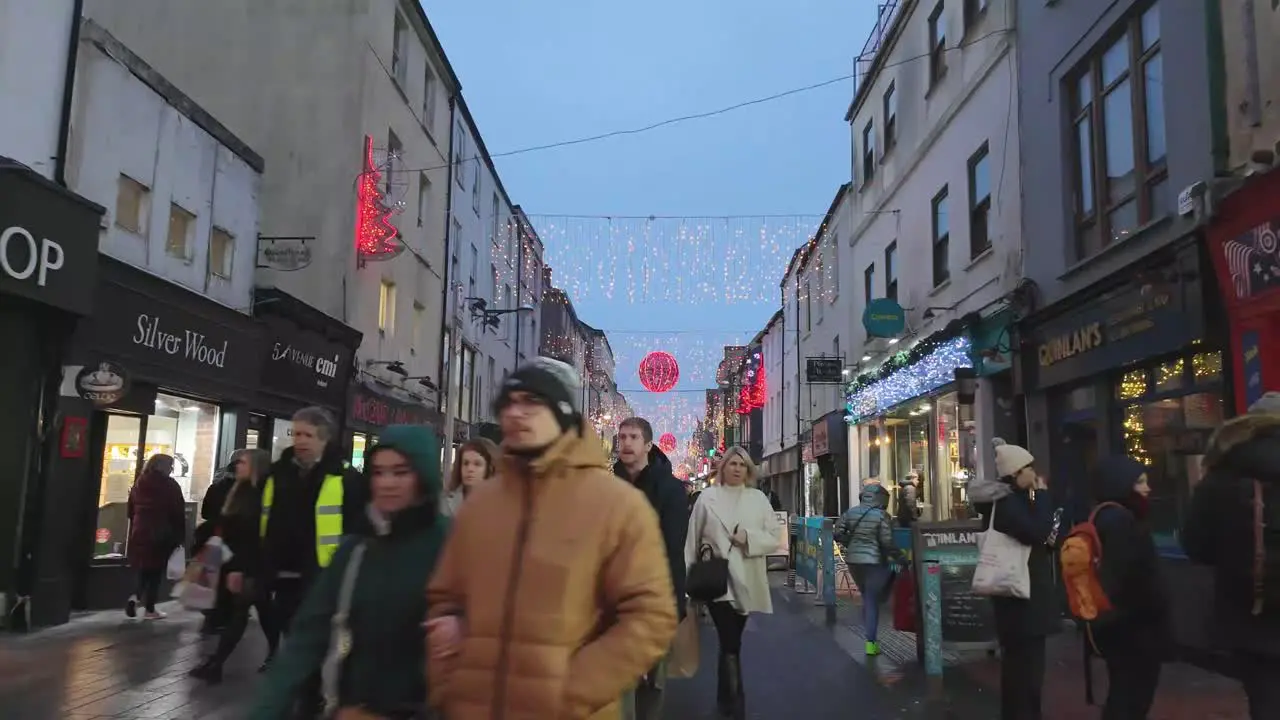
(1093, 515)
(1259, 547)
(340, 631)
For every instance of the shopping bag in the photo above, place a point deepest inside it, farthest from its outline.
(1002, 565)
(904, 602)
(177, 566)
(198, 588)
(685, 650)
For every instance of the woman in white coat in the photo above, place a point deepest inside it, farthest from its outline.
(736, 521)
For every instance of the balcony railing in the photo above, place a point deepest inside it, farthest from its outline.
(886, 13)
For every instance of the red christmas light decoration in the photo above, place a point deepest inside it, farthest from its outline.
(667, 443)
(375, 235)
(659, 371)
(755, 391)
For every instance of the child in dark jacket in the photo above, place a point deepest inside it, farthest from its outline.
(1132, 639)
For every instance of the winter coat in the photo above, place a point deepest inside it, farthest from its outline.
(290, 543)
(1129, 573)
(719, 511)
(239, 528)
(559, 572)
(908, 504)
(385, 670)
(157, 521)
(1030, 522)
(215, 496)
(1219, 528)
(667, 496)
(867, 528)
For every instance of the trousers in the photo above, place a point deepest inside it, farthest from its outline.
(1021, 677)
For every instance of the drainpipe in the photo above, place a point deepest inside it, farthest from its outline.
(519, 285)
(68, 91)
(442, 387)
(1252, 76)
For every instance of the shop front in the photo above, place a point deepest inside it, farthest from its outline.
(1129, 368)
(1244, 241)
(371, 408)
(307, 361)
(781, 472)
(48, 269)
(156, 369)
(828, 446)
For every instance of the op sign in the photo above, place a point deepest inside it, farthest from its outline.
(102, 384)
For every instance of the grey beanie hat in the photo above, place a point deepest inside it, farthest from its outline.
(556, 382)
(1268, 404)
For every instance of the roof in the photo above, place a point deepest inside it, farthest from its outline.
(421, 14)
(803, 252)
(482, 149)
(882, 56)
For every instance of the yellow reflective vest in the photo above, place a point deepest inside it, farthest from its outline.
(328, 516)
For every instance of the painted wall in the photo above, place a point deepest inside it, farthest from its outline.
(34, 40)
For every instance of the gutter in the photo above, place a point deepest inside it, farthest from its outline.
(442, 391)
(68, 92)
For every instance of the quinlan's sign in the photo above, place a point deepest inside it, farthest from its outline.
(1071, 344)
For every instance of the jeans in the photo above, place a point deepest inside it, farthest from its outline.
(729, 626)
(1261, 678)
(287, 596)
(871, 580)
(149, 588)
(237, 621)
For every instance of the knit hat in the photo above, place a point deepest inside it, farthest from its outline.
(1268, 404)
(555, 382)
(1010, 458)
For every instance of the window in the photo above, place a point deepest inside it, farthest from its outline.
(868, 151)
(459, 157)
(185, 429)
(424, 198)
(493, 381)
(974, 10)
(891, 271)
(419, 318)
(1121, 178)
(475, 265)
(507, 297)
(493, 284)
(475, 191)
(868, 284)
(466, 392)
(890, 117)
(222, 249)
(941, 238)
(979, 202)
(400, 50)
(131, 204)
(937, 44)
(387, 307)
(394, 148)
(428, 98)
(181, 224)
(495, 235)
(833, 265)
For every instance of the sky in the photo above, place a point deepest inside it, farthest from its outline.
(693, 278)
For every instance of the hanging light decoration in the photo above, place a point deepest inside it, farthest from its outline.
(375, 235)
(667, 443)
(659, 371)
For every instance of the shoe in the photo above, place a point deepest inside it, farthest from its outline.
(154, 615)
(737, 695)
(873, 648)
(210, 671)
(131, 606)
(266, 664)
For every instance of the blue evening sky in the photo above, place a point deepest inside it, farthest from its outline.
(541, 72)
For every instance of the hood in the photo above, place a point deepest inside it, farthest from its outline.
(1116, 477)
(574, 449)
(418, 443)
(1247, 445)
(658, 460)
(874, 495)
(982, 490)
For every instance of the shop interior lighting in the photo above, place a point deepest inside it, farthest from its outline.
(924, 407)
(866, 358)
(893, 341)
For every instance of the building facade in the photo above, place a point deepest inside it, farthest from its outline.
(357, 145)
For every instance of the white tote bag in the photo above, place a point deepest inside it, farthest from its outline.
(1002, 564)
(177, 565)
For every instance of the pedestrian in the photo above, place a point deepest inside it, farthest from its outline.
(1233, 525)
(310, 500)
(866, 532)
(1132, 638)
(734, 519)
(157, 526)
(237, 527)
(909, 500)
(477, 461)
(553, 593)
(645, 466)
(1023, 510)
(372, 593)
(215, 496)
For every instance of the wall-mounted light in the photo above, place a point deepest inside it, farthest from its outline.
(393, 366)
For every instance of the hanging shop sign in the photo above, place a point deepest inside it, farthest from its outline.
(371, 411)
(48, 242)
(823, 370)
(284, 253)
(884, 317)
(819, 439)
(102, 383)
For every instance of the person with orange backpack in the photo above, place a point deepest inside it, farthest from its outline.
(1113, 588)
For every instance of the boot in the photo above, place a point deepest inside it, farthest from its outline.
(210, 671)
(737, 696)
(723, 706)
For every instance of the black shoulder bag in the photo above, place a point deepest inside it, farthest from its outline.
(707, 579)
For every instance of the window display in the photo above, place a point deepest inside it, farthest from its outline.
(281, 437)
(956, 462)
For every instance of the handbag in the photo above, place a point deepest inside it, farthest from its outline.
(1002, 569)
(340, 633)
(904, 603)
(707, 580)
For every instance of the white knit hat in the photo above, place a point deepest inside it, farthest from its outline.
(1010, 458)
(1268, 404)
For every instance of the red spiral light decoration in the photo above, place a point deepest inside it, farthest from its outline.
(667, 443)
(659, 371)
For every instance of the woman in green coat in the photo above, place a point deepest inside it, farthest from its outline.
(379, 670)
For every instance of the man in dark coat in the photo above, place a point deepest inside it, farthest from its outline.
(649, 469)
(1220, 531)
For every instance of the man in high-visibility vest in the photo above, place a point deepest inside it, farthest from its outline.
(309, 501)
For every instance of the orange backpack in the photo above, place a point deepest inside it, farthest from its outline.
(1081, 560)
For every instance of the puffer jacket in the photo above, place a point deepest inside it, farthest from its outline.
(559, 573)
(867, 529)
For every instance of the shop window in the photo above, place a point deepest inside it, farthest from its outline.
(359, 444)
(873, 452)
(281, 437)
(186, 429)
(1132, 385)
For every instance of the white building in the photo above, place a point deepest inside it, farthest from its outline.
(34, 42)
(315, 86)
(181, 191)
(933, 222)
